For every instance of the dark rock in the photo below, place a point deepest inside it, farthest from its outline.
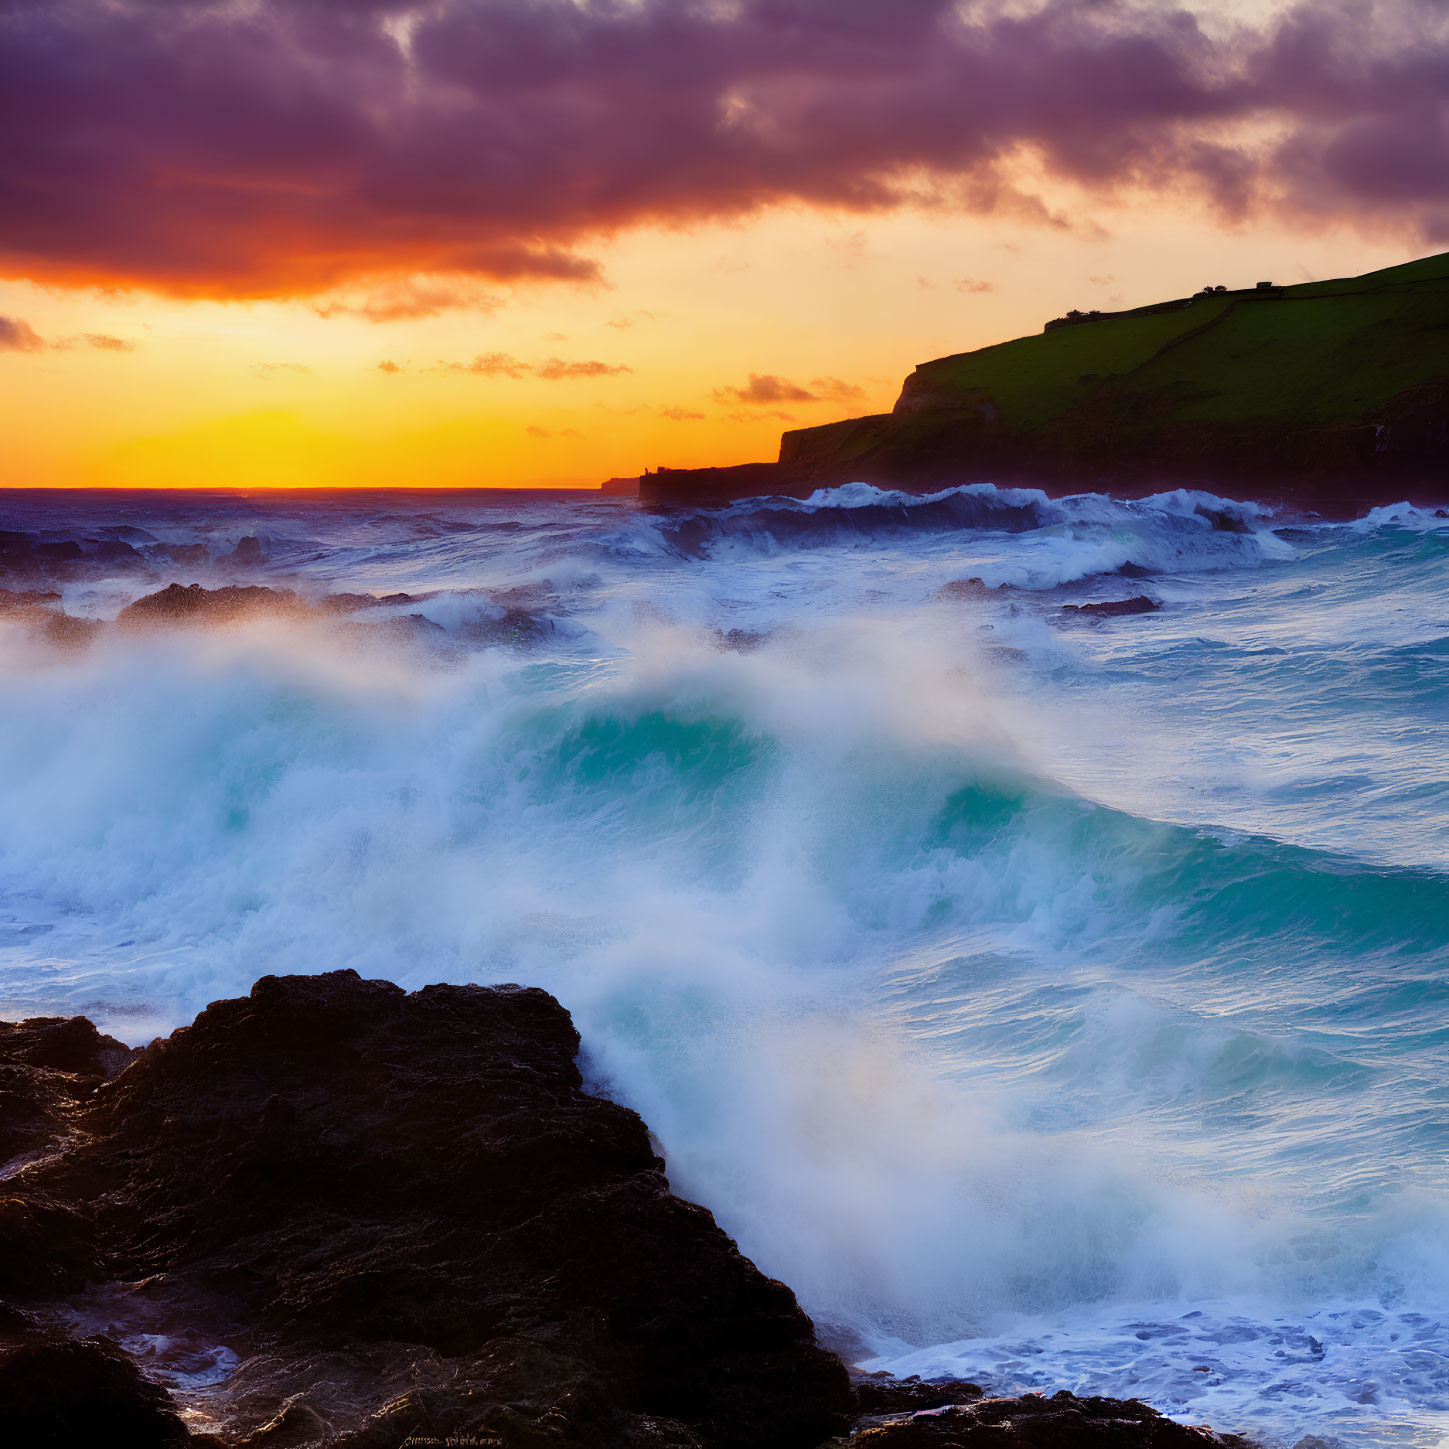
(880, 1393)
(1031, 1421)
(15, 547)
(512, 627)
(111, 550)
(14, 600)
(407, 629)
(249, 552)
(64, 550)
(47, 1066)
(972, 588)
(192, 604)
(1114, 608)
(407, 1216)
(39, 612)
(70, 1393)
(355, 603)
(408, 1220)
(1223, 521)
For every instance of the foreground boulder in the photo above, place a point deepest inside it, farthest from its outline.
(62, 1392)
(333, 1213)
(405, 1217)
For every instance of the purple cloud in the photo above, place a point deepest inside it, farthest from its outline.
(18, 336)
(288, 148)
(765, 387)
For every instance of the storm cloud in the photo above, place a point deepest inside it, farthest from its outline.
(285, 149)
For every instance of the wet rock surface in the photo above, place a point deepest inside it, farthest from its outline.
(192, 604)
(1113, 608)
(405, 1217)
(483, 621)
(1032, 1421)
(64, 1392)
(49, 1065)
(335, 1213)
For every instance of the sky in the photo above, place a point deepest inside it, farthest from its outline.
(544, 242)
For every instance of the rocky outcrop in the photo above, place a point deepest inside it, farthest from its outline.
(40, 613)
(1113, 608)
(405, 1217)
(192, 604)
(335, 1213)
(60, 1392)
(1032, 1421)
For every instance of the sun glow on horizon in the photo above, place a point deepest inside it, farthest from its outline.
(704, 347)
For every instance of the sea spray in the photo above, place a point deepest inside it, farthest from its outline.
(1058, 999)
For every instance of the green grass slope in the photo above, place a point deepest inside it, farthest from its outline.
(1343, 378)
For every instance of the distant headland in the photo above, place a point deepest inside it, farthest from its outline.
(1332, 395)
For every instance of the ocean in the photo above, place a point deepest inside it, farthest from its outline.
(1057, 998)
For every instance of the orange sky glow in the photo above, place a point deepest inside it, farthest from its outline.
(598, 348)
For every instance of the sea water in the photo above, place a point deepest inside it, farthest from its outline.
(1053, 1000)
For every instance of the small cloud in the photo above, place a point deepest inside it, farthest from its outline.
(1012, 247)
(534, 432)
(622, 324)
(267, 369)
(852, 247)
(387, 365)
(835, 389)
(680, 415)
(1102, 281)
(18, 336)
(555, 337)
(968, 284)
(925, 284)
(101, 340)
(556, 368)
(489, 364)
(765, 387)
(571, 433)
(504, 364)
(412, 298)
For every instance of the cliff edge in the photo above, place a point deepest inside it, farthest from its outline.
(1332, 395)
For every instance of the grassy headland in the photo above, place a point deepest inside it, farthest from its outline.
(1331, 393)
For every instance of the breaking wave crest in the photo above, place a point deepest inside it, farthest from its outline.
(1037, 1074)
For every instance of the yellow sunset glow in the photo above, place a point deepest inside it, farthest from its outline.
(288, 394)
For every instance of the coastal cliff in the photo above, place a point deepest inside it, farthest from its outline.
(333, 1212)
(1333, 395)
